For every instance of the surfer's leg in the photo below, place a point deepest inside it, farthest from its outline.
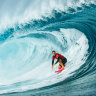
(60, 61)
(59, 66)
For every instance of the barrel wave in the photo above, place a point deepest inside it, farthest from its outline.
(30, 30)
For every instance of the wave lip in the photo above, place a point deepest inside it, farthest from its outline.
(22, 12)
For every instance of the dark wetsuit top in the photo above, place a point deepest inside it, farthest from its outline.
(58, 57)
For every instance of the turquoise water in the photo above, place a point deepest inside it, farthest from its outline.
(30, 30)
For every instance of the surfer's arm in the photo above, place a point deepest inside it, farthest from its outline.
(52, 63)
(57, 60)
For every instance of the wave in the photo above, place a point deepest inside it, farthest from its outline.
(27, 43)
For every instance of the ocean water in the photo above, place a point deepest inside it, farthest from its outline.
(30, 30)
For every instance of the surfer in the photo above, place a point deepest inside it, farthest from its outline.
(60, 58)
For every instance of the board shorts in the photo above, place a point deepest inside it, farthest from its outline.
(63, 61)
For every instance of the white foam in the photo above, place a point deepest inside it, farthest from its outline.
(17, 12)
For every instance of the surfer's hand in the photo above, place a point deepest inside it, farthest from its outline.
(52, 66)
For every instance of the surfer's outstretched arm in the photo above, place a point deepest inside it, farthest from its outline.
(52, 63)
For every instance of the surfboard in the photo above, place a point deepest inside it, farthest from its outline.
(59, 70)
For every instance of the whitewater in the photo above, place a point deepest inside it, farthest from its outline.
(30, 30)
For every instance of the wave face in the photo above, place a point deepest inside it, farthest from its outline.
(30, 30)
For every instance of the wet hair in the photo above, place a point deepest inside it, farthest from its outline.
(53, 51)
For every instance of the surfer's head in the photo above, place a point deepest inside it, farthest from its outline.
(54, 53)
